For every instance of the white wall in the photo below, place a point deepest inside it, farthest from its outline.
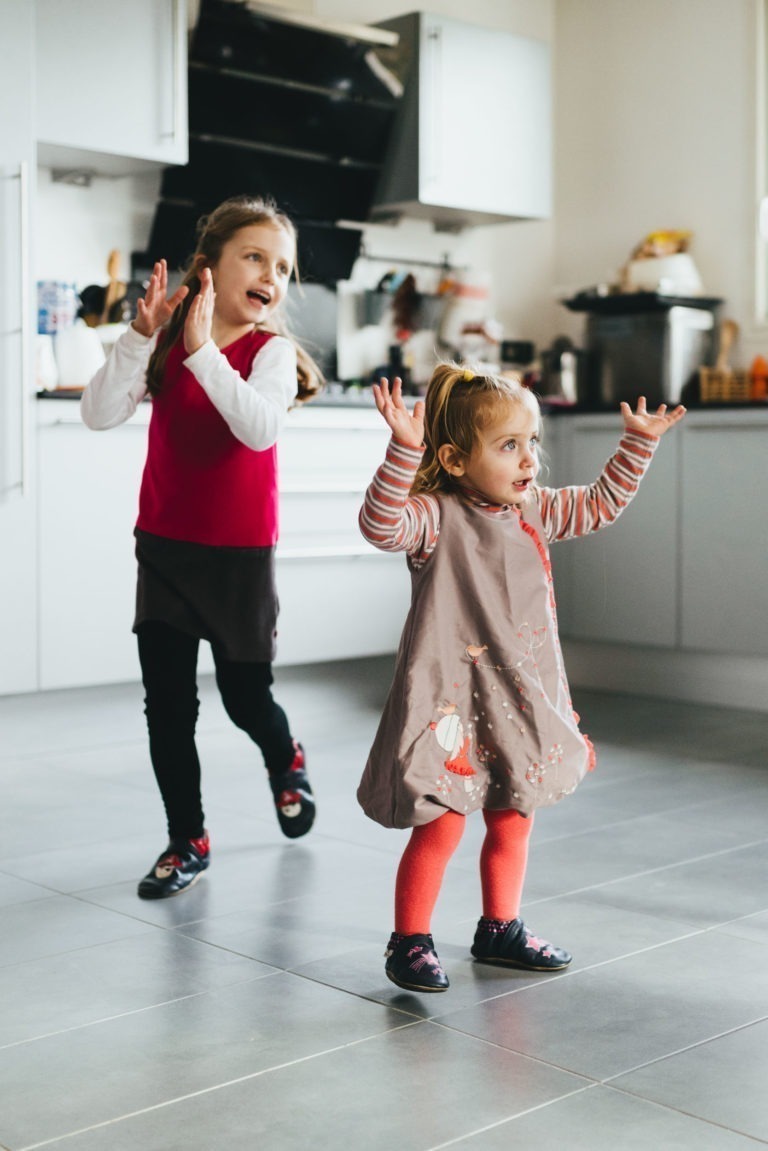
(656, 128)
(77, 228)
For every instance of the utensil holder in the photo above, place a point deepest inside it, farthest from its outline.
(724, 386)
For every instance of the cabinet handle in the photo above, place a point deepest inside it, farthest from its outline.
(433, 69)
(176, 77)
(23, 329)
(25, 306)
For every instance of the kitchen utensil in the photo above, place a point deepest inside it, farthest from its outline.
(722, 384)
(115, 288)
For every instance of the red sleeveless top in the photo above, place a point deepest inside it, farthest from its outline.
(200, 483)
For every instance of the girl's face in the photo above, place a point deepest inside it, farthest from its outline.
(252, 275)
(504, 460)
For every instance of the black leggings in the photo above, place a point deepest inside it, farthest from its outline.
(169, 671)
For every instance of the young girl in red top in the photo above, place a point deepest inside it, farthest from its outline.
(221, 370)
(479, 715)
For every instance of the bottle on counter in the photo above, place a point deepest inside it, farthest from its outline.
(758, 378)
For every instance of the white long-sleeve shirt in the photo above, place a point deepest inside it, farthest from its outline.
(254, 409)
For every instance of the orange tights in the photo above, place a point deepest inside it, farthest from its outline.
(503, 860)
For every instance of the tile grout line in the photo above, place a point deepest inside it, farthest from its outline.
(127, 1014)
(688, 1115)
(512, 1118)
(610, 1081)
(649, 871)
(215, 1087)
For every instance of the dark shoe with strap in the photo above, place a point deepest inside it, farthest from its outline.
(294, 802)
(180, 865)
(412, 963)
(511, 944)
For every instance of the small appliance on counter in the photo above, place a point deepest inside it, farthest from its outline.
(644, 344)
(79, 354)
(564, 378)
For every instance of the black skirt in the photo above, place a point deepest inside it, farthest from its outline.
(226, 596)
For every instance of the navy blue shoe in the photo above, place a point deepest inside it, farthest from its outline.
(294, 802)
(513, 945)
(181, 864)
(412, 963)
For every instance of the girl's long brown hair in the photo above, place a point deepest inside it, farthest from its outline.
(459, 403)
(213, 232)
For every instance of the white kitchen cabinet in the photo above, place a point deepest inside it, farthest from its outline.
(339, 597)
(89, 486)
(473, 138)
(111, 83)
(724, 552)
(671, 600)
(18, 535)
(619, 585)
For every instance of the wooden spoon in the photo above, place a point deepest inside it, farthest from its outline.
(729, 331)
(115, 289)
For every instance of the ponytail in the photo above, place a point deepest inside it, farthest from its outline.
(459, 403)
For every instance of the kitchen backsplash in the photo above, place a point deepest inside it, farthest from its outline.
(79, 226)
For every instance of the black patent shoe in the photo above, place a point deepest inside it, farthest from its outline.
(181, 864)
(412, 963)
(294, 802)
(516, 946)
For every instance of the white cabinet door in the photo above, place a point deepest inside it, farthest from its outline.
(89, 484)
(18, 606)
(340, 598)
(340, 606)
(498, 160)
(620, 584)
(725, 537)
(111, 80)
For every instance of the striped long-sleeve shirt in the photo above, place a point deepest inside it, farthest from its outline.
(393, 520)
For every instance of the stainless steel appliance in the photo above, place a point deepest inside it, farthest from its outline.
(643, 344)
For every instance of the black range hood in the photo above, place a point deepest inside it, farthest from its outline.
(286, 106)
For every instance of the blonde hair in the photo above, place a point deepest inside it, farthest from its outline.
(460, 403)
(213, 232)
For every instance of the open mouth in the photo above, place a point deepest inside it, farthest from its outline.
(259, 298)
(522, 485)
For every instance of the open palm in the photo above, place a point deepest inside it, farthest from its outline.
(652, 423)
(156, 308)
(407, 427)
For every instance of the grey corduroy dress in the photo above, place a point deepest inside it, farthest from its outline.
(479, 713)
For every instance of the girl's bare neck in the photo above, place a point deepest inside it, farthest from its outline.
(224, 334)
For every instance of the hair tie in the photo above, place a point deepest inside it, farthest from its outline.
(468, 376)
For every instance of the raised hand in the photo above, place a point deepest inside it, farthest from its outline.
(156, 309)
(199, 322)
(406, 426)
(652, 423)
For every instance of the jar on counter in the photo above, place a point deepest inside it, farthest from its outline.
(57, 304)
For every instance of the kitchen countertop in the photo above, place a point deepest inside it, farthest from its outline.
(364, 399)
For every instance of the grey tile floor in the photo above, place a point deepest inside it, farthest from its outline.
(253, 1011)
